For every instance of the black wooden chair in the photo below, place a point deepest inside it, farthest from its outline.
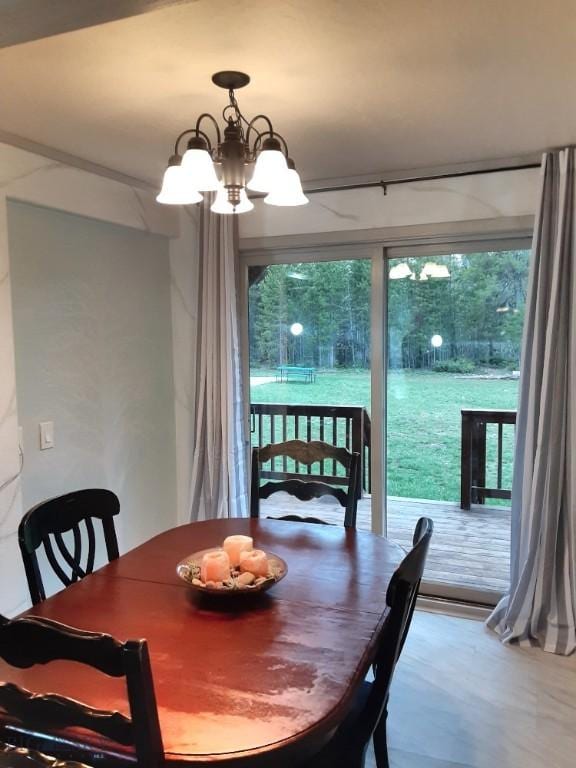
(50, 519)
(367, 717)
(302, 486)
(49, 722)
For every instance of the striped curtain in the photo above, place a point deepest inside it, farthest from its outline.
(219, 485)
(541, 606)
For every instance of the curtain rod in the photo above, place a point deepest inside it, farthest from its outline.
(407, 179)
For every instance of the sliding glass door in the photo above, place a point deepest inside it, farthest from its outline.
(454, 336)
(310, 355)
(410, 357)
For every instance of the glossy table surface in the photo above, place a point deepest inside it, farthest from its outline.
(260, 680)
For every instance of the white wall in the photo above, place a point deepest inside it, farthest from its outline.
(30, 178)
(93, 347)
(489, 196)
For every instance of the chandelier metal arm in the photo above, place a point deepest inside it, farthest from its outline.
(196, 132)
(251, 128)
(180, 137)
(274, 135)
(208, 116)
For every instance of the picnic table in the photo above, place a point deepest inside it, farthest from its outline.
(284, 372)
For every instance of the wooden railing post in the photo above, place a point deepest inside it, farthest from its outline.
(357, 443)
(473, 488)
(478, 460)
(466, 461)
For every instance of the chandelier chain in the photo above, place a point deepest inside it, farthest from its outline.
(239, 117)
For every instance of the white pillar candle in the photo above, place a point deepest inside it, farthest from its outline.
(255, 562)
(234, 545)
(215, 566)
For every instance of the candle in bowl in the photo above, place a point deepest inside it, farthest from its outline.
(235, 545)
(215, 566)
(255, 562)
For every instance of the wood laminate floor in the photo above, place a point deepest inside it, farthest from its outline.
(469, 549)
(461, 699)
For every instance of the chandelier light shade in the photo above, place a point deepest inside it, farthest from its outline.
(270, 166)
(222, 205)
(246, 154)
(176, 189)
(290, 193)
(199, 169)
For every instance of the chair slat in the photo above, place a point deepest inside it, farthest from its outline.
(32, 640)
(306, 452)
(72, 561)
(56, 567)
(91, 545)
(50, 711)
(305, 490)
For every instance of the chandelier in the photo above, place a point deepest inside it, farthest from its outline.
(245, 155)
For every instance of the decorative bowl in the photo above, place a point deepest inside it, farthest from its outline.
(189, 571)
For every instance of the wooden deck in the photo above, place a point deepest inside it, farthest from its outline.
(469, 549)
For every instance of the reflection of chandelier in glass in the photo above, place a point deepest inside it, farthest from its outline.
(434, 270)
(244, 157)
(400, 271)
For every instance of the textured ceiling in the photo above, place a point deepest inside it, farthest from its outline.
(356, 87)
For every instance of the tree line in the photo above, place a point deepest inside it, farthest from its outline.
(477, 310)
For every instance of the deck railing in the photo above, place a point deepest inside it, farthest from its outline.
(347, 426)
(350, 427)
(473, 455)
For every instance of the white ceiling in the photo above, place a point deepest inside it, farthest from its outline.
(356, 87)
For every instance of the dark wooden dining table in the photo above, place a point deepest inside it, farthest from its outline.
(253, 681)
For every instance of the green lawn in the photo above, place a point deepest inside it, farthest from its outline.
(423, 422)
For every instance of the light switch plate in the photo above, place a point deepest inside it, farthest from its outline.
(46, 435)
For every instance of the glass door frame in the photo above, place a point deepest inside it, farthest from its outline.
(379, 253)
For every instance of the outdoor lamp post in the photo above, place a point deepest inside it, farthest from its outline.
(436, 342)
(296, 329)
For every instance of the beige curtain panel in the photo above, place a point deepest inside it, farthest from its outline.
(541, 606)
(219, 481)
